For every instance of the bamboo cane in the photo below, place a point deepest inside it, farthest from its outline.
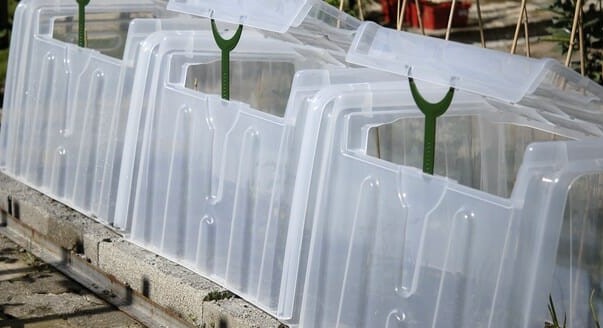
(570, 50)
(340, 9)
(398, 18)
(527, 33)
(450, 17)
(581, 41)
(401, 12)
(480, 22)
(419, 18)
(360, 11)
(518, 26)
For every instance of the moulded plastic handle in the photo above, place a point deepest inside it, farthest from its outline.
(226, 46)
(431, 111)
(82, 22)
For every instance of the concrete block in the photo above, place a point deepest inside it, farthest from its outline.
(182, 292)
(162, 281)
(33, 216)
(4, 200)
(57, 222)
(236, 313)
(92, 237)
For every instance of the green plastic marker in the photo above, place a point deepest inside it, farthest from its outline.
(226, 46)
(82, 22)
(431, 112)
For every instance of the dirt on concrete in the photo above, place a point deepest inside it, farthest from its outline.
(34, 295)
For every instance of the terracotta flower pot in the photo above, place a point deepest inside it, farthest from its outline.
(435, 15)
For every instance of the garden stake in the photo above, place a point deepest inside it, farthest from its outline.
(340, 10)
(581, 45)
(432, 112)
(401, 11)
(481, 24)
(226, 46)
(82, 22)
(527, 33)
(449, 26)
(419, 17)
(360, 10)
(570, 50)
(522, 10)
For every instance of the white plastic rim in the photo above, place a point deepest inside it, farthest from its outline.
(271, 15)
(465, 67)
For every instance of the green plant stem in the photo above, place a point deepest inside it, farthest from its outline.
(593, 311)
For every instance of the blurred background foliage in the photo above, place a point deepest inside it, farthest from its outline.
(7, 9)
(592, 29)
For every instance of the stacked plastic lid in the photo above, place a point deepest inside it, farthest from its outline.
(73, 149)
(65, 106)
(506, 279)
(407, 249)
(271, 15)
(207, 182)
(302, 193)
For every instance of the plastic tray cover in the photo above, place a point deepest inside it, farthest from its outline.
(272, 15)
(210, 183)
(63, 112)
(393, 247)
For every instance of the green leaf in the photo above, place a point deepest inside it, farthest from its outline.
(590, 23)
(555, 39)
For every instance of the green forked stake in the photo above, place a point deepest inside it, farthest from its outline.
(226, 46)
(82, 22)
(432, 112)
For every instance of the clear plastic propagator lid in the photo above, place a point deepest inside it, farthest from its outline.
(493, 74)
(271, 15)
